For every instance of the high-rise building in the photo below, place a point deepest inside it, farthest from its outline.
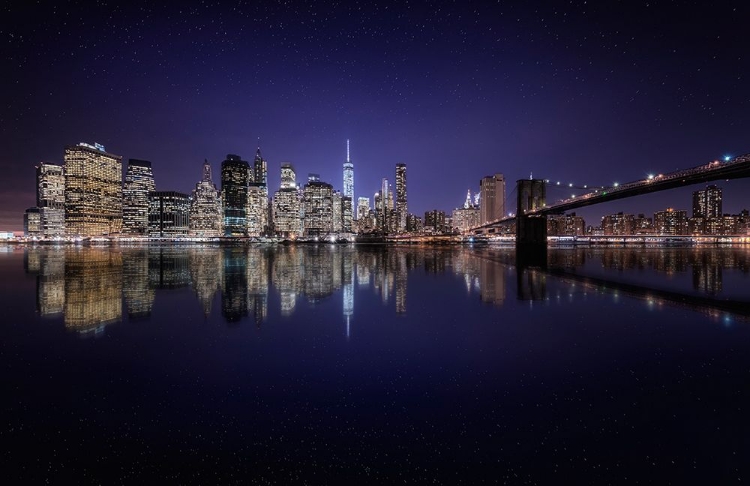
(234, 182)
(205, 207)
(434, 221)
(139, 182)
(337, 214)
(565, 225)
(257, 209)
(348, 174)
(346, 214)
(401, 206)
(707, 203)
(169, 214)
(492, 198)
(619, 224)
(286, 205)
(317, 207)
(671, 222)
(50, 198)
(363, 207)
(260, 169)
(93, 191)
(32, 222)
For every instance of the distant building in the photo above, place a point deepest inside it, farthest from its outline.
(93, 191)
(414, 223)
(644, 225)
(348, 175)
(465, 218)
(434, 221)
(205, 206)
(346, 214)
(618, 224)
(50, 198)
(492, 198)
(257, 209)
(707, 211)
(337, 213)
(234, 183)
(565, 225)
(363, 207)
(671, 222)
(169, 214)
(139, 182)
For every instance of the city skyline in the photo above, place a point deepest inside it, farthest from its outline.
(596, 92)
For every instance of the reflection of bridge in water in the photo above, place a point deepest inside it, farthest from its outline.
(532, 207)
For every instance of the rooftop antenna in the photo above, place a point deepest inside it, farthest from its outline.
(347, 150)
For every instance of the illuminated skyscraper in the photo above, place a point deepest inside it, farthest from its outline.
(401, 206)
(139, 182)
(363, 207)
(318, 207)
(93, 190)
(492, 198)
(257, 197)
(50, 198)
(205, 208)
(286, 205)
(234, 182)
(337, 215)
(260, 169)
(671, 222)
(169, 214)
(348, 174)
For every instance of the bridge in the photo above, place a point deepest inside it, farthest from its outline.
(532, 209)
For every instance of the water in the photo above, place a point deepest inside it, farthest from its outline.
(374, 365)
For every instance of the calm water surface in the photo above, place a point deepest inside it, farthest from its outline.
(374, 365)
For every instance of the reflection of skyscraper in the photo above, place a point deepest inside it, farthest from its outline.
(50, 198)
(49, 264)
(93, 191)
(206, 274)
(401, 278)
(93, 289)
(168, 268)
(257, 283)
(287, 277)
(234, 290)
(136, 291)
(491, 282)
(139, 182)
(205, 207)
(234, 181)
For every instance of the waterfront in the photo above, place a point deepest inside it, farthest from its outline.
(318, 364)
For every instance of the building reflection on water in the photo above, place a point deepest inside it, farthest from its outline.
(89, 286)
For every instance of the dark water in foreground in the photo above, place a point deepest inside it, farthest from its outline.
(374, 365)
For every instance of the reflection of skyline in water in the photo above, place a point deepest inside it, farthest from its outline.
(89, 286)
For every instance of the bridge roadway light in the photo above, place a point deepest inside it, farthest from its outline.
(617, 184)
(727, 158)
(651, 177)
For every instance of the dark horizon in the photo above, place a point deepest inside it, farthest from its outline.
(584, 94)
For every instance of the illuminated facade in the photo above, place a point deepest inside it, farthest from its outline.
(363, 207)
(492, 198)
(565, 225)
(93, 191)
(205, 207)
(318, 208)
(168, 214)
(671, 222)
(50, 198)
(707, 211)
(434, 221)
(257, 209)
(286, 205)
(139, 182)
(338, 218)
(618, 224)
(234, 182)
(465, 218)
(32, 222)
(401, 206)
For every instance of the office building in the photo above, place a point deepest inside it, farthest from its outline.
(286, 205)
(317, 207)
(139, 183)
(492, 198)
(93, 191)
(50, 198)
(401, 205)
(234, 183)
(348, 175)
(169, 214)
(671, 222)
(205, 207)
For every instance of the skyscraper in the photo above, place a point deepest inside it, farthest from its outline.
(50, 198)
(286, 205)
(93, 190)
(318, 207)
(205, 208)
(139, 182)
(234, 183)
(348, 174)
(257, 197)
(492, 198)
(169, 214)
(707, 203)
(401, 207)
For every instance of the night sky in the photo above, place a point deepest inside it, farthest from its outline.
(582, 92)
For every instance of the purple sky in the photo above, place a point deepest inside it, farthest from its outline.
(582, 92)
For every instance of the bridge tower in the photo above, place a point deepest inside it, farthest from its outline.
(531, 230)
